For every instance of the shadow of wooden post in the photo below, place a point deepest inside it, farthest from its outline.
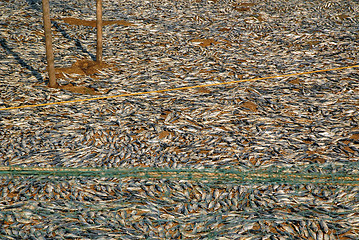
(48, 42)
(99, 30)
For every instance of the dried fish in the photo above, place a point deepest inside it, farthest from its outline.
(305, 124)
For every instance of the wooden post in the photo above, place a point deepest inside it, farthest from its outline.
(48, 42)
(99, 31)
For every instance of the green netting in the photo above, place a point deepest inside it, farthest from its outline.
(224, 176)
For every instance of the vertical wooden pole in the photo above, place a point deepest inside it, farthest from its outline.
(99, 31)
(48, 42)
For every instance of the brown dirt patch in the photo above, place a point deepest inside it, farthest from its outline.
(203, 90)
(83, 67)
(354, 136)
(251, 106)
(295, 81)
(164, 134)
(79, 89)
(92, 23)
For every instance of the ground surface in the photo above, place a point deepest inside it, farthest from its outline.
(300, 127)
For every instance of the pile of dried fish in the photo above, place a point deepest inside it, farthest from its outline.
(304, 124)
(90, 208)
